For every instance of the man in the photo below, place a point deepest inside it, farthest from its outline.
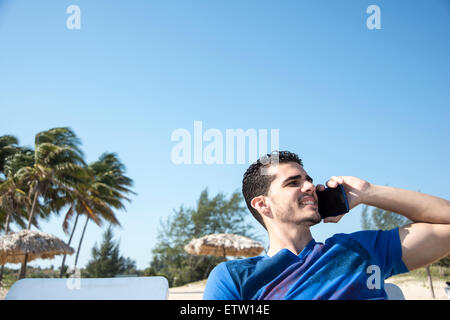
(282, 197)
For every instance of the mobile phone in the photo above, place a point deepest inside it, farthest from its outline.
(332, 202)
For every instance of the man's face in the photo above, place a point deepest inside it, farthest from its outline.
(292, 195)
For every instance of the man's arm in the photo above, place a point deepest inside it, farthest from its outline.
(428, 238)
(415, 206)
(424, 241)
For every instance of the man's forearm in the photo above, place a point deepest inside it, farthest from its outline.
(416, 206)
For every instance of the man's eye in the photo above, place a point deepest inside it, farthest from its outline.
(293, 183)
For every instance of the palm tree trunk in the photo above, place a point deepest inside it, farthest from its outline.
(8, 215)
(430, 281)
(68, 243)
(23, 268)
(30, 218)
(81, 240)
(2, 269)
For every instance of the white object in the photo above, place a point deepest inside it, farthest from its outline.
(447, 289)
(393, 292)
(132, 288)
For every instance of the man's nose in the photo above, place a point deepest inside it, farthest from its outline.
(308, 187)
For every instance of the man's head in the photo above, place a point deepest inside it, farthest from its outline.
(276, 189)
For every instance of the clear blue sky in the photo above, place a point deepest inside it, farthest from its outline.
(349, 100)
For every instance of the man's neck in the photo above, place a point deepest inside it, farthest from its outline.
(293, 239)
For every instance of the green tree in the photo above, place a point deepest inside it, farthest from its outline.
(106, 191)
(211, 215)
(96, 199)
(10, 193)
(14, 202)
(444, 262)
(106, 261)
(58, 165)
(8, 146)
(13, 193)
(379, 219)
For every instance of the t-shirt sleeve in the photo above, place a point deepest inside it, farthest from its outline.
(385, 249)
(220, 285)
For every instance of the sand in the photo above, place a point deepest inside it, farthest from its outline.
(413, 289)
(191, 291)
(3, 293)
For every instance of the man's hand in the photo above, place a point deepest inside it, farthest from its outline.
(355, 189)
(428, 238)
(424, 241)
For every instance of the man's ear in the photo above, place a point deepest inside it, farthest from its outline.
(261, 205)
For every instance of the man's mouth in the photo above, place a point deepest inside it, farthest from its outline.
(307, 201)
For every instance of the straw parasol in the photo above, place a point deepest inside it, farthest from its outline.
(224, 244)
(38, 245)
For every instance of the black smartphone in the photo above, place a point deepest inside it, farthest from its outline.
(332, 202)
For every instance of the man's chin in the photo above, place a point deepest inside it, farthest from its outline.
(306, 218)
(314, 219)
(311, 220)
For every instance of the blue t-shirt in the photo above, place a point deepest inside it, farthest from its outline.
(344, 267)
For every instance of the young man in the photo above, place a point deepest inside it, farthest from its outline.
(282, 197)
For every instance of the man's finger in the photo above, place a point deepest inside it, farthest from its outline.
(339, 179)
(332, 183)
(320, 187)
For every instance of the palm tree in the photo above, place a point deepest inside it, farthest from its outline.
(9, 191)
(8, 146)
(58, 165)
(13, 195)
(107, 192)
(13, 200)
(84, 201)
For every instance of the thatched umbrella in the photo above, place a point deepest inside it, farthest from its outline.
(224, 244)
(38, 245)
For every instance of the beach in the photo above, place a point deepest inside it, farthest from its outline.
(413, 289)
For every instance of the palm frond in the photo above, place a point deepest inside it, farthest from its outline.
(61, 136)
(67, 218)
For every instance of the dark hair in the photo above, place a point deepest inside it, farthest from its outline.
(256, 182)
